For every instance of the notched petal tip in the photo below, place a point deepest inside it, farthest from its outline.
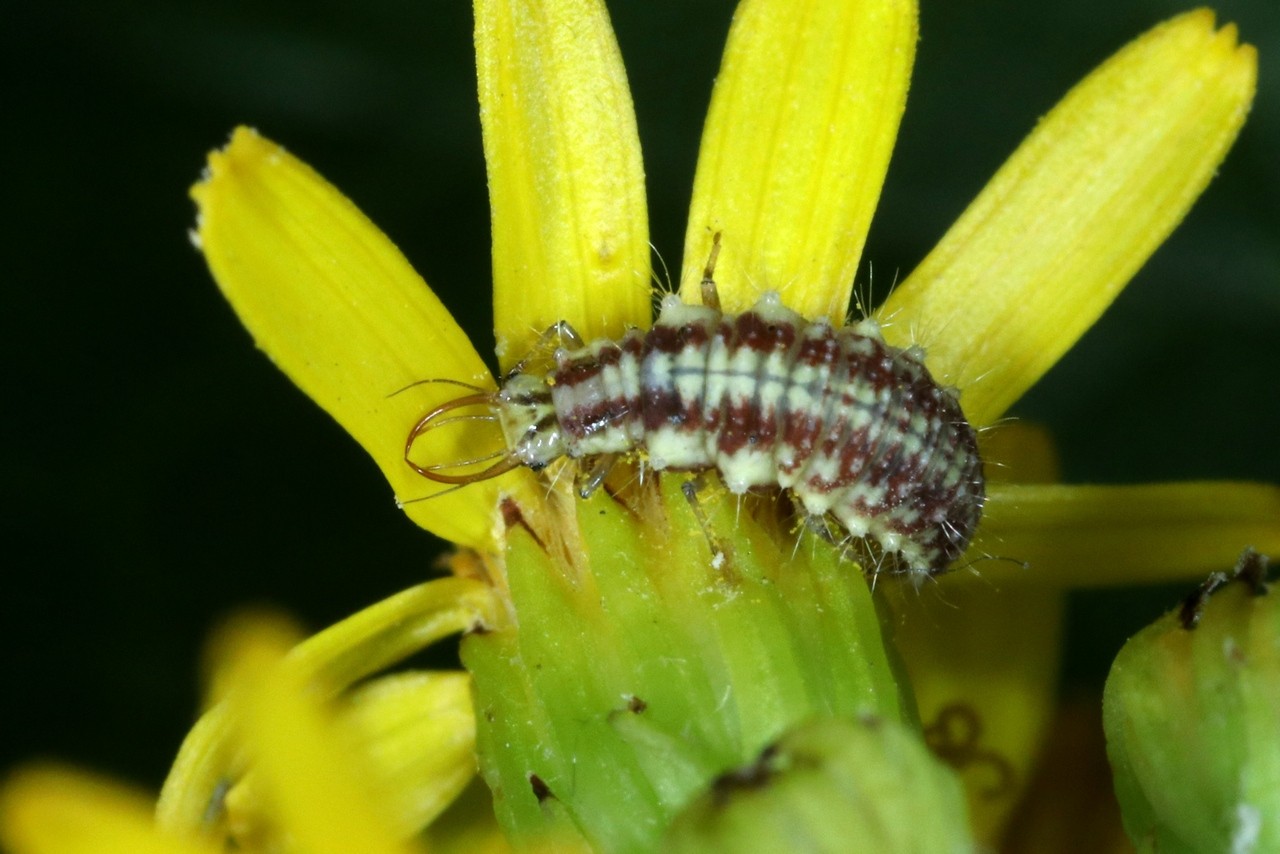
(244, 146)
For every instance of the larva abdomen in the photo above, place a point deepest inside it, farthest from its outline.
(853, 428)
(850, 425)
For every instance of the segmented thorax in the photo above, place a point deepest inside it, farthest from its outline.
(857, 430)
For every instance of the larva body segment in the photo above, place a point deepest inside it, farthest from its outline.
(853, 428)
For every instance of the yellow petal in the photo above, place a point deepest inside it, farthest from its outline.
(797, 142)
(983, 661)
(1074, 213)
(337, 308)
(419, 731)
(1019, 452)
(207, 762)
(1094, 536)
(334, 659)
(395, 628)
(310, 779)
(46, 810)
(566, 183)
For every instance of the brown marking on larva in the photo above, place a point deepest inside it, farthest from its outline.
(581, 422)
(658, 405)
(692, 335)
(745, 425)
(819, 350)
(764, 336)
(799, 433)
(575, 369)
(686, 415)
(635, 705)
(668, 339)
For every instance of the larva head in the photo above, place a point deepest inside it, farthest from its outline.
(523, 410)
(528, 419)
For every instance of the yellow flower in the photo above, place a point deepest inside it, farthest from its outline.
(311, 762)
(797, 142)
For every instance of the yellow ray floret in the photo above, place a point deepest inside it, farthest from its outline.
(331, 661)
(1074, 213)
(338, 308)
(1096, 536)
(47, 810)
(566, 182)
(308, 773)
(796, 146)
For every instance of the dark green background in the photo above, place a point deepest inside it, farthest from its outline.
(159, 472)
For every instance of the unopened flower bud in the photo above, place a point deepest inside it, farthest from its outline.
(1192, 714)
(833, 785)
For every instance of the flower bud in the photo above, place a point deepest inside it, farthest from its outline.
(1192, 715)
(832, 785)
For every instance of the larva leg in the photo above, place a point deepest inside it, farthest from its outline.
(559, 334)
(721, 552)
(821, 527)
(711, 294)
(591, 473)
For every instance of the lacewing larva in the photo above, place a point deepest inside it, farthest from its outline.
(856, 430)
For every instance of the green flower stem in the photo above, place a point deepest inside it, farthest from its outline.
(630, 681)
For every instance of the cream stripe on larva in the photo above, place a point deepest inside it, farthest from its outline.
(853, 428)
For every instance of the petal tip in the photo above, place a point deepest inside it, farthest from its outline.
(244, 146)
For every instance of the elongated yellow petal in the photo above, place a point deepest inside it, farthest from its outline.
(309, 776)
(1094, 536)
(419, 729)
(333, 659)
(395, 628)
(47, 810)
(416, 730)
(983, 658)
(797, 142)
(566, 184)
(337, 308)
(1074, 213)
(1019, 452)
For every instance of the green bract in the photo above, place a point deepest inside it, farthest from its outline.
(647, 667)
